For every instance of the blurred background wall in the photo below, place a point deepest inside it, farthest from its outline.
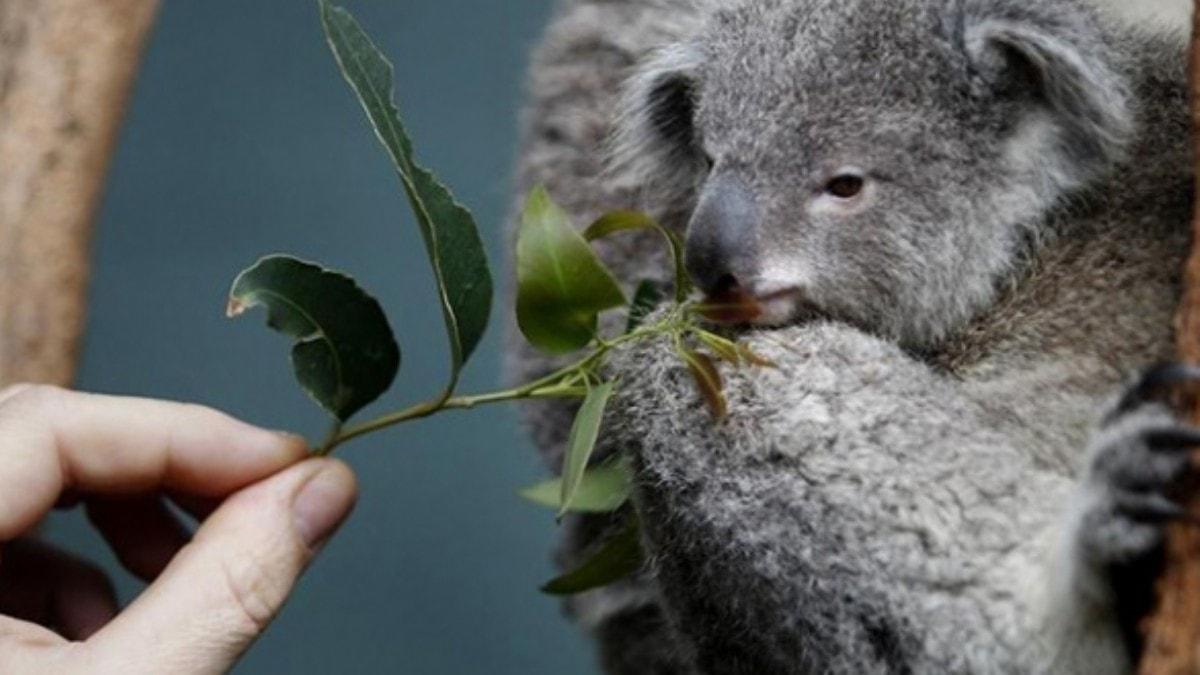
(242, 139)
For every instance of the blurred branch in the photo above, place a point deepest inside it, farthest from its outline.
(66, 67)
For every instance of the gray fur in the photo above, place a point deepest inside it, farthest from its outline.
(1171, 19)
(914, 488)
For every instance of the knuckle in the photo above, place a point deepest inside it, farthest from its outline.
(28, 649)
(31, 395)
(14, 390)
(199, 411)
(255, 592)
(203, 416)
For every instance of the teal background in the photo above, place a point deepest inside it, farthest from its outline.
(242, 139)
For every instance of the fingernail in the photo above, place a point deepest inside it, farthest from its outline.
(291, 439)
(273, 442)
(323, 503)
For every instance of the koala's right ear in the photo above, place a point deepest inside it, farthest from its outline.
(654, 140)
(1054, 55)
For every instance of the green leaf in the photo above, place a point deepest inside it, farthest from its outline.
(645, 299)
(602, 489)
(625, 221)
(581, 442)
(726, 350)
(345, 355)
(754, 358)
(460, 265)
(708, 380)
(561, 285)
(618, 558)
(736, 353)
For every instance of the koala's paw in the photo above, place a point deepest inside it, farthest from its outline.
(1140, 459)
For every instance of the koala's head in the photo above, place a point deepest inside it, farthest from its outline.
(886, 163)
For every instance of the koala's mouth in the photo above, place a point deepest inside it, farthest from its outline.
(739, 307)
(782, 307)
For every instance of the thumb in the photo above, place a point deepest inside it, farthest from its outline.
(222, 589)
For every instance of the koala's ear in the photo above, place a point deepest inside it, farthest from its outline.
(655, 140)
(1056, 59)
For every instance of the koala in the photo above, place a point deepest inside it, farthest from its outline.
(1170, 18)
(965, 222)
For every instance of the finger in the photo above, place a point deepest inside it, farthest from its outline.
(222, 590)
(53, 439)
(142, 532)
(42, 584)
(28, 648)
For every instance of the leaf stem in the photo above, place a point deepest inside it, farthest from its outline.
(562, 383)
(331, 438)
(428, 408)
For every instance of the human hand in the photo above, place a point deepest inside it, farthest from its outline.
(265, 510)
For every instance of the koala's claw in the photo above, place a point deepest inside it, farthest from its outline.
(1174, 438)
(1141, 456)
(1151, 508)
(1141, 460)
(1153, 384)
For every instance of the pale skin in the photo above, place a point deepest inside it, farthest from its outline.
(265, 510)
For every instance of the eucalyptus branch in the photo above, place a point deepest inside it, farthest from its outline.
(345, 354)
(558, 384)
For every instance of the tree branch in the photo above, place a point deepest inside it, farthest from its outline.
(1173, 631)
(66, 67)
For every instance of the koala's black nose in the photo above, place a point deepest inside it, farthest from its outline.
(722, 238)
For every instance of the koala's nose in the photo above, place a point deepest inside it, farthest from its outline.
(721, 253)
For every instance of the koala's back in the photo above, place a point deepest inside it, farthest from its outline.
(1104, 290)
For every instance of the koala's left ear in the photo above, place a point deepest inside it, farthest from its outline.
(1054, 55)
(654, 138)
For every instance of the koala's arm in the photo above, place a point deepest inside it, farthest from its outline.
(858, 510)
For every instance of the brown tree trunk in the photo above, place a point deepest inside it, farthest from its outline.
(66, 67)
(1173, 630)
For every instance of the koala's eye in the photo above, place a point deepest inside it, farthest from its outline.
(845, 186)
(709, 162)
